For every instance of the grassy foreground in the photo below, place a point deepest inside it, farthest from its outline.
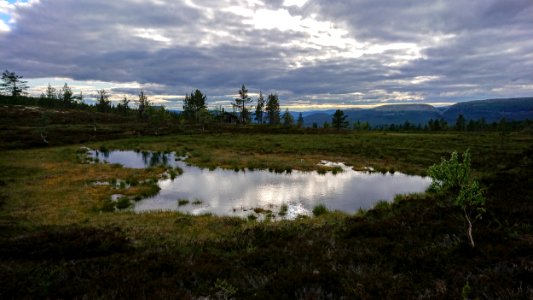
(57, 241)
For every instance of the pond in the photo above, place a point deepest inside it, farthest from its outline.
(227, 192)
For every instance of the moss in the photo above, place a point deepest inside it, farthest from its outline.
(108, 206)
(123, 203)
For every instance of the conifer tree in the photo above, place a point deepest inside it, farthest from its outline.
(12, 84)
(193, 105)
(288, 119)
(259, 108)
(339, 120)
(241, 104)
(272, 109)
(300, 122)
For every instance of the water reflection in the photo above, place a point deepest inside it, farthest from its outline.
(225, 192)
(136, 159)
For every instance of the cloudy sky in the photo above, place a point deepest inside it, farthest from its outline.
(315, 54)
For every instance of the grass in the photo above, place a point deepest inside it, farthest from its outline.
(58, 242)
(283, 210)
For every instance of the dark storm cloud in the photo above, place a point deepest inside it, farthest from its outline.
(406, 50)
(414, 20)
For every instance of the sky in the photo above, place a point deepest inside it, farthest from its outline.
(314, 54)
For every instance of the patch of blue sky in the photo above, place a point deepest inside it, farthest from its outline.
(4, 13)
(4, 20)
(16, 1)
(4, 16)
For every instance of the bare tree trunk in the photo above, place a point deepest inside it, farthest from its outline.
(469, 230)
(43, 137)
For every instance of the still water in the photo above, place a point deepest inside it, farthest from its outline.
(226, 192)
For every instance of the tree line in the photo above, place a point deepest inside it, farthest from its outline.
(265, 111)
(461, 124)
(195, 109)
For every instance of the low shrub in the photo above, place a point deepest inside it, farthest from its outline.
(319, 210)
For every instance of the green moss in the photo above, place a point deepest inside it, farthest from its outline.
(108, 206)
(123, 203)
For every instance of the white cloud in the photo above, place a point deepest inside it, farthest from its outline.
(3, 26)
(5, 7)
(151, 34)
(422, 79)
(298, 3)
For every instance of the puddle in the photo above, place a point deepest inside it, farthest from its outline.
(115, 197)
(226, 192)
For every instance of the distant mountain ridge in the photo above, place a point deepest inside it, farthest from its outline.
(492, 110)
(406, 107)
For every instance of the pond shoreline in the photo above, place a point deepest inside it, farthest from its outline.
(260, 193)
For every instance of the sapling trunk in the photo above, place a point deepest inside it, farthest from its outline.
(469, 230)
(43, 137)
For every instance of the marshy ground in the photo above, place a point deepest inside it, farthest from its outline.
(59, 241)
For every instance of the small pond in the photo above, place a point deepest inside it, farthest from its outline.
(226, 192)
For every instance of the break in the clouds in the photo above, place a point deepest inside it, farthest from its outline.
(313, 53)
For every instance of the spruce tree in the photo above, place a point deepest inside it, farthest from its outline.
(300, 122)
(288, 120)
(339, 120)
(272, 109)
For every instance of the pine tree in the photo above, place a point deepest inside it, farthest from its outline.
(123, 106)
(259, 108)
(193, 105)
(242, 102)
(50, 92)
(143, 105)
(13, 84)
(66, 96)
(460, 123)
(272, 109)
(288, 119)
(103, 104)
